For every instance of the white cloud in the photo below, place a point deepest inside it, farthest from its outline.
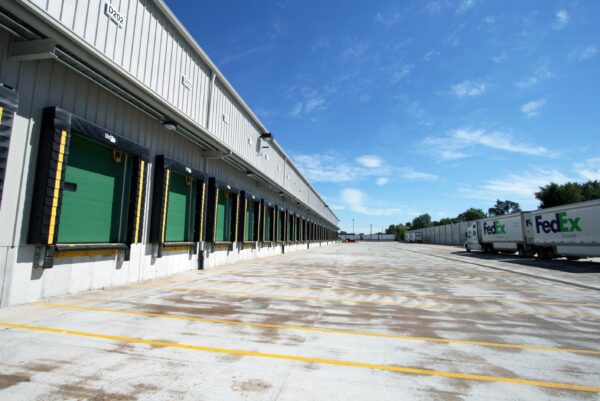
(388, 17)
(321, 43)
(541, 73)
(464, 6)
(562, 19)
(357, 201)
(453, 38)
(584, 53)
(399, 72)
(430, 54)
(469, 88)
(369, 161)
(519, 187)
(308, 100)
(331, 167)
(247, 53)
(532, 109)
(588, 169)
(458, 143)
(356, 49)
(382, 181)
(499, 59)
(411, 174)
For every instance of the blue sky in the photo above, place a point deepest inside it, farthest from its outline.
(393, 109)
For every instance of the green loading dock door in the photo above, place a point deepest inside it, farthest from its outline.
(250, 223)
(268, 224)
(180, 208)
(224, 208)
(96, 191)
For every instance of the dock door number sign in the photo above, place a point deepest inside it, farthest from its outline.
(113, 14)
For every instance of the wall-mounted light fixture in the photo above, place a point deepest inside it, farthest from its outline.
(266, 136)
(249, 173)
(169, 125)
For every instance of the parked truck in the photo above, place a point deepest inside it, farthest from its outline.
(413, 236)
(499, 234)
(571, 231)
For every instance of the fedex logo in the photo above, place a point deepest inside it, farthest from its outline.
(560, 224)
(494, 229)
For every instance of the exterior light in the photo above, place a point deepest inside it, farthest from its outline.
(249, 173)
(266, 136)
(169, 125)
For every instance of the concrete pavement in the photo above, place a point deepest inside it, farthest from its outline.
(365, 321)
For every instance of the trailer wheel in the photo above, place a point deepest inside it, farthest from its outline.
(573, 258)
(467, 248)
(521, 251)
(546, 253)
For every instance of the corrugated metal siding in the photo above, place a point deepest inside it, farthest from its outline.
(146, 47)
(154, 53)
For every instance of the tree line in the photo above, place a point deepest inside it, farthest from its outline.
(549, 196)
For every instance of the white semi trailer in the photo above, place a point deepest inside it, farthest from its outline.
(498, 234)
(571, 231)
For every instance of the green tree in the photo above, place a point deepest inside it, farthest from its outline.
(398, 230)
(571, 192)
(471, 214)
(421, 221)
(504, 207)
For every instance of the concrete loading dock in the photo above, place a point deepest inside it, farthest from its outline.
(366, 321)
(125, 154)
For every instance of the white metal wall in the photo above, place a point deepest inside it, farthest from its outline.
(449, 234)
(154, 53)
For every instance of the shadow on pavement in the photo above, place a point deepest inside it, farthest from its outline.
(563, 265)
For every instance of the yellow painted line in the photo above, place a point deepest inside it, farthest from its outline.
(335, 362)
(399, 303)
(319, 329)
(1, 111)
(166, 201)
(214, 238)
(139, 203)
(404, 294)
(56, 193)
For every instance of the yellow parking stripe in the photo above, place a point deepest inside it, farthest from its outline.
(403, 294)
(364, 365)
(319, 329)
(366, 301)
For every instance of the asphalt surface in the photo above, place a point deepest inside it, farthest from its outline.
(364, 321)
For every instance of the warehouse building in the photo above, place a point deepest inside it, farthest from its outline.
(126, 155)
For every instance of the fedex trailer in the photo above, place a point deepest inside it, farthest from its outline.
(499, 234)
(571, 231)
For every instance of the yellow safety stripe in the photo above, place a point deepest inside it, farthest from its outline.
(201, 236)
(319, 329)
(323, 361)
(1, 110)
(166, 201)
(216, 214)
(56, 193)
(139, 203)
